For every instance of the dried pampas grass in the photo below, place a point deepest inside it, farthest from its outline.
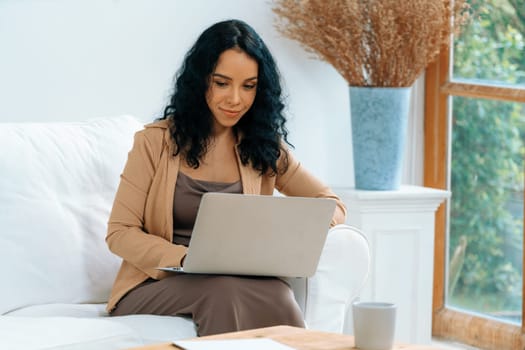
(373, 42)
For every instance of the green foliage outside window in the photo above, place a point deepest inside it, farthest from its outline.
(488, 148)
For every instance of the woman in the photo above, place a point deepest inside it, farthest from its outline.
(223, 131)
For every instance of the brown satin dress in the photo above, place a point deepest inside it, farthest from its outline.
(216, 303)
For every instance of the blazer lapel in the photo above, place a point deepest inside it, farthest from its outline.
(172, 170)
(250, 178)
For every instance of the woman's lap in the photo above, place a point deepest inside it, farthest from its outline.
(217, 303)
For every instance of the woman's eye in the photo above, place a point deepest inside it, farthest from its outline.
(220, 83)
(250, 86)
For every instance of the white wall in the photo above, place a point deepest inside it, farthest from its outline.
(67, 60)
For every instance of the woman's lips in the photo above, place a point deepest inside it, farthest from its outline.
(230, 113)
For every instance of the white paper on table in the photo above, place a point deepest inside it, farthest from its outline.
(232, 344)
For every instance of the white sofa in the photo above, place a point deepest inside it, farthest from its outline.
(56, 190)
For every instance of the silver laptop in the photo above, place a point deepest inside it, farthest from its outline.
(239, 234)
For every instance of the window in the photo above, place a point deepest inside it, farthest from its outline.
(475, 147)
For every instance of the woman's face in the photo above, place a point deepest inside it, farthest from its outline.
(232, 88)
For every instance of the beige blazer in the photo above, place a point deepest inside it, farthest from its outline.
(140, 227)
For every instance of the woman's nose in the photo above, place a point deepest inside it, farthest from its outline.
(234, 97)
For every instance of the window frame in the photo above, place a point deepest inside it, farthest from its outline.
(450, 323)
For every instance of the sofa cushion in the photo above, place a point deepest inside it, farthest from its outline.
(64, 333)
(158, 329)
(60, 309)
(56, 190)
(146, 328)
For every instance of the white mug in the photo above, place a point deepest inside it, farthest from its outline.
(374, 325)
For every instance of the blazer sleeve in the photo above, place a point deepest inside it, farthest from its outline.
(126, 236)
(297, 181)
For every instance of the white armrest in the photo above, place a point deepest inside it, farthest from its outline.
(340, 276)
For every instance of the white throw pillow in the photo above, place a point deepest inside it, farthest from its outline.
(57, 186)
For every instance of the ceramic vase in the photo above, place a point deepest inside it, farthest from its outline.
(379, 124)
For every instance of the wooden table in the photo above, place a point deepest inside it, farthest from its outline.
(298, 338)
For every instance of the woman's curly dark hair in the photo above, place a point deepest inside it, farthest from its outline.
(262, 127)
